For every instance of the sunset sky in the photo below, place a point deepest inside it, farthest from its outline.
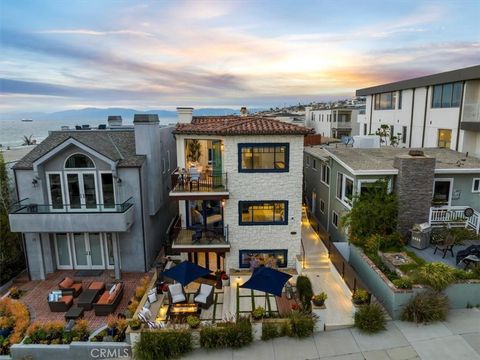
(57, 55)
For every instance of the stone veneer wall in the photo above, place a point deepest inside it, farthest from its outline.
(414, 187)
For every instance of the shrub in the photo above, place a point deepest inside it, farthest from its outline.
(133, 305)
(193, 321)
(392, 242)
(270, 331)
(403, 283)
(373, 244)
(435, 275)
(300, 324)
(370, 318)
(14, 314)
(231, 334)
(360, 296)
(258, 313)
(163, 344)
(80, 330)
(45, 333)
(426, 307)
(305, 292)
(15, 293)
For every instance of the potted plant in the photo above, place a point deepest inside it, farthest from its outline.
(360, 297)
(225, 279)
(193, 321)
(319, 300)
(6, 326)
(258, 313)
(135, 324)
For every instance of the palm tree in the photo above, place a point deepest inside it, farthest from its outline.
(27, 140)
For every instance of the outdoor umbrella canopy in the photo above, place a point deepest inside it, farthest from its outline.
(267, 280)
(186, 272)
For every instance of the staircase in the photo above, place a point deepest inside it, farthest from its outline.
(317, 261)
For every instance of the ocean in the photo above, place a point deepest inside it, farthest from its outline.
(13, 131)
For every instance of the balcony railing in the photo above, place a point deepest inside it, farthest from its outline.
(214, 237)
(203, 182)
(454, 216)
(27, 206)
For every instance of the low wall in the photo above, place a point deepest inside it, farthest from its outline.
(394, 300)
(75, 350)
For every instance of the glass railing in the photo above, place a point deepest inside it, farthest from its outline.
(27, 206)
(471, 112)
(201, 182)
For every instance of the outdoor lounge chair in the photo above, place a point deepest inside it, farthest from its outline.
(204, 296)
(62, 304)
(69, 284)
(446, 246)
(109, 300)
(176, 294)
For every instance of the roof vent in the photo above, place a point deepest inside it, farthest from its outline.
(243, 111)
(416, 153)
(114, 120)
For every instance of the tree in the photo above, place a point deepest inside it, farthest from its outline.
(386, 137)
(12, 260)
(27, 140)
(374, 212)
(194, 150)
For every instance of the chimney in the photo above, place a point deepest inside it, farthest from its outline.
(114, 120)
(243, 111)
(184, 115)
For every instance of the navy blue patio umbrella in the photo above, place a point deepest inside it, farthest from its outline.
(267, 280)
(186, 272)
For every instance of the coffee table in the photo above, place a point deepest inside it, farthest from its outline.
(179, 312)
(74, 313)
(86, 299)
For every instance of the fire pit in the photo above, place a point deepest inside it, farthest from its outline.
(393, 260)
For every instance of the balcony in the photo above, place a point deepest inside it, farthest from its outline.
(202, 185)
(27, 216)
(199, 239)
(471, 117)
(455, 216)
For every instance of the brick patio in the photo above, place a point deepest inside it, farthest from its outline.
(38, 290)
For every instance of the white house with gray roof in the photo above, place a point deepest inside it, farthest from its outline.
(432, 187)
(439, 110)
(95, 198)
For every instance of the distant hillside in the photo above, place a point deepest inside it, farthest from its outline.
(98, 114)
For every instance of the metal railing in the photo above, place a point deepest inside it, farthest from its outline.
(198, 236)
(454, 216)
(27, 206)
(206, 182)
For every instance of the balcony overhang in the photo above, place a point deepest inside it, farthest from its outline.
(202, 248)
(193, 195)
(72, 221)
(470, 126)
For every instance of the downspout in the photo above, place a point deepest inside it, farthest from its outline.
(143, 220)
(425, 117)
(411, 119)
(460, 112)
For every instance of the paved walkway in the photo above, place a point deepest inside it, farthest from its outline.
(455, 339)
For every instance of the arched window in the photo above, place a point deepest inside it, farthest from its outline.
(79, 161)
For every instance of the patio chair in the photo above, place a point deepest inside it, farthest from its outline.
(446, 246)
(194, 177)
(204, 296)
(71, 285)
(176, 294)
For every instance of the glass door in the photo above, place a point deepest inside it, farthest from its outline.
(88, 251)
(217, 163)
(74, 196)
(89, 191)
(82, 190)
(80, 250)
(95, 251)
(62, 247)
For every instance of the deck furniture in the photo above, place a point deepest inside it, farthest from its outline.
(87, 298)
(109, 300)
(74, 313)
(180, 312)
(204, 296)
(176, 294)
(446, 246)
(471, 250)
(471, 260)
(69, 284)
(62, 304)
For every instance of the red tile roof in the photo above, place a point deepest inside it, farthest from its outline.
(239, 125)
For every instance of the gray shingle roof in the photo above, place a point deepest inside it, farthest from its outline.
(117, 145)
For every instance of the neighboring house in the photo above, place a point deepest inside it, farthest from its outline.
(238, 188)
(440, 110)
(430, 188)
(95, 198)
(333, 122)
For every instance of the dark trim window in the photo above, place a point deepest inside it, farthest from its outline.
(263, 212)
(365, 129)
(266, 157)
(385, 101)
(404, 134)
(400, 99)
(335, 219)
(344, 191)
(314, 164)
(79, 161)
(257, 258)
(476, 185)
(322, 206)
(325, 175)
(447, 95)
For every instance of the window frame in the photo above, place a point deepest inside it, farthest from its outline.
(100, 184)
(473, 185)
(404, 134)
(453, 103)
(391, 103)
(335, 215)
(259, 202)
(439, 130)
(242, 251)
(326, 183)
(343, 199)
(78, 168)
(314, 164)
(322, 205)
(49, 189)
(264, 145)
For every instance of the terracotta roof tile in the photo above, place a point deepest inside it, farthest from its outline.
(238, 125)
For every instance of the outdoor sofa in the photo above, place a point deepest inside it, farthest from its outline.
(62, 304)
(109, 300)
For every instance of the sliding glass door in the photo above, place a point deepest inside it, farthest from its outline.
(82, 190)
(88, 249)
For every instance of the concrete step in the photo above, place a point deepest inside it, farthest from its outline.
(330, 327)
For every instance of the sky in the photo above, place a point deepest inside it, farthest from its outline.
(57, 55)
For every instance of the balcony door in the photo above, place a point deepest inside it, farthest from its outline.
(82, 190)
(217, 163)
(88, 251)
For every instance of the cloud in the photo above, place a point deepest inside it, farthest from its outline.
(95, 32)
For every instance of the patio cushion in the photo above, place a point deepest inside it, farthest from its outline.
(115, 293)
(77, 287)
(176, 291)
(178, 298)
(66, 283)
(66, 299)
(96, 285)
(104, 298)
(201, 298)
(205, 289)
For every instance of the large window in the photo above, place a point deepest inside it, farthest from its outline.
(444, 138)
(257, 258)
(263, 212)
(442, 191)
(325, 175)
(56, 198)
(385, 101)
(108, 193)
(447, 95)
(79, 161)
(335, 219)
(344, 189)
(263, 157)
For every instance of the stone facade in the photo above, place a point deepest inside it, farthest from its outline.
(414, 188)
